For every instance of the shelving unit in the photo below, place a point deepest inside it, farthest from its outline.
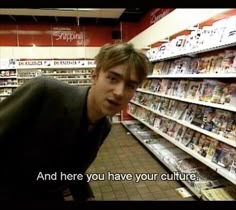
(116, 118)
(73, 72)
(157, 155)
(170, 55)
(201, 49)
(220, 106)
(223, 76)
(189, 125)
(207, 162)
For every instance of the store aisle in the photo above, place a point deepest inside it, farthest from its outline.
(123, 154)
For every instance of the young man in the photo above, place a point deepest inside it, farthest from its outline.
(50, 132)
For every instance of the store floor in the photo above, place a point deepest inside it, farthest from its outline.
(122, 156)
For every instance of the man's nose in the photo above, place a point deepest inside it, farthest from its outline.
(119, 89)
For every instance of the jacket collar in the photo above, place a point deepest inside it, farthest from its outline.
(75, 105)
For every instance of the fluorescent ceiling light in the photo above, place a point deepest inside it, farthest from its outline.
(87, 9)
(76, 9)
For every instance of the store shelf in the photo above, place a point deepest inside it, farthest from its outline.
(202, 159)
(65, 74)
(8, 86)
(8, 77)
(201, 49)
(160, 158)
(31, 68)
(4, 95)
(219, 106)
(19, 77)
(72, 79)
(191, 76)
(189, 125)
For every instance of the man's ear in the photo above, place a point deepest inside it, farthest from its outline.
(94, 76)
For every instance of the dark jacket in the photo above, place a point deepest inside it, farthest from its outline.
(40, 131)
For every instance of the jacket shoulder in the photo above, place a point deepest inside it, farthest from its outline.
(106, 127)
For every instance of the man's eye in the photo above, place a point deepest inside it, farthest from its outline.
(131, 86)
(111, 78)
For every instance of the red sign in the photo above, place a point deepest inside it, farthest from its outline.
(48, 35)
(157, 14)
(130, 30)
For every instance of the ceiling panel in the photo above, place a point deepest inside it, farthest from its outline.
(70, 15)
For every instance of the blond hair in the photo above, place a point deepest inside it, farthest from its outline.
(111, 55)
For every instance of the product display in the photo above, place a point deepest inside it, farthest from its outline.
(74, 72)
(190, 102)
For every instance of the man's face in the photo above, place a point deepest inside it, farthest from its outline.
(113, 89)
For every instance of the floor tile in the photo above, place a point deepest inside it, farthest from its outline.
(123, 154)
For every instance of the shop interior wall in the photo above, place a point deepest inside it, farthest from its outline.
(72, 41)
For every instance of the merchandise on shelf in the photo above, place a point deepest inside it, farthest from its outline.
(190, 100)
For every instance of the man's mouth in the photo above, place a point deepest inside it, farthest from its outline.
(114, 102)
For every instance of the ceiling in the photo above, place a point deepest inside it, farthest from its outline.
(78, 16)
